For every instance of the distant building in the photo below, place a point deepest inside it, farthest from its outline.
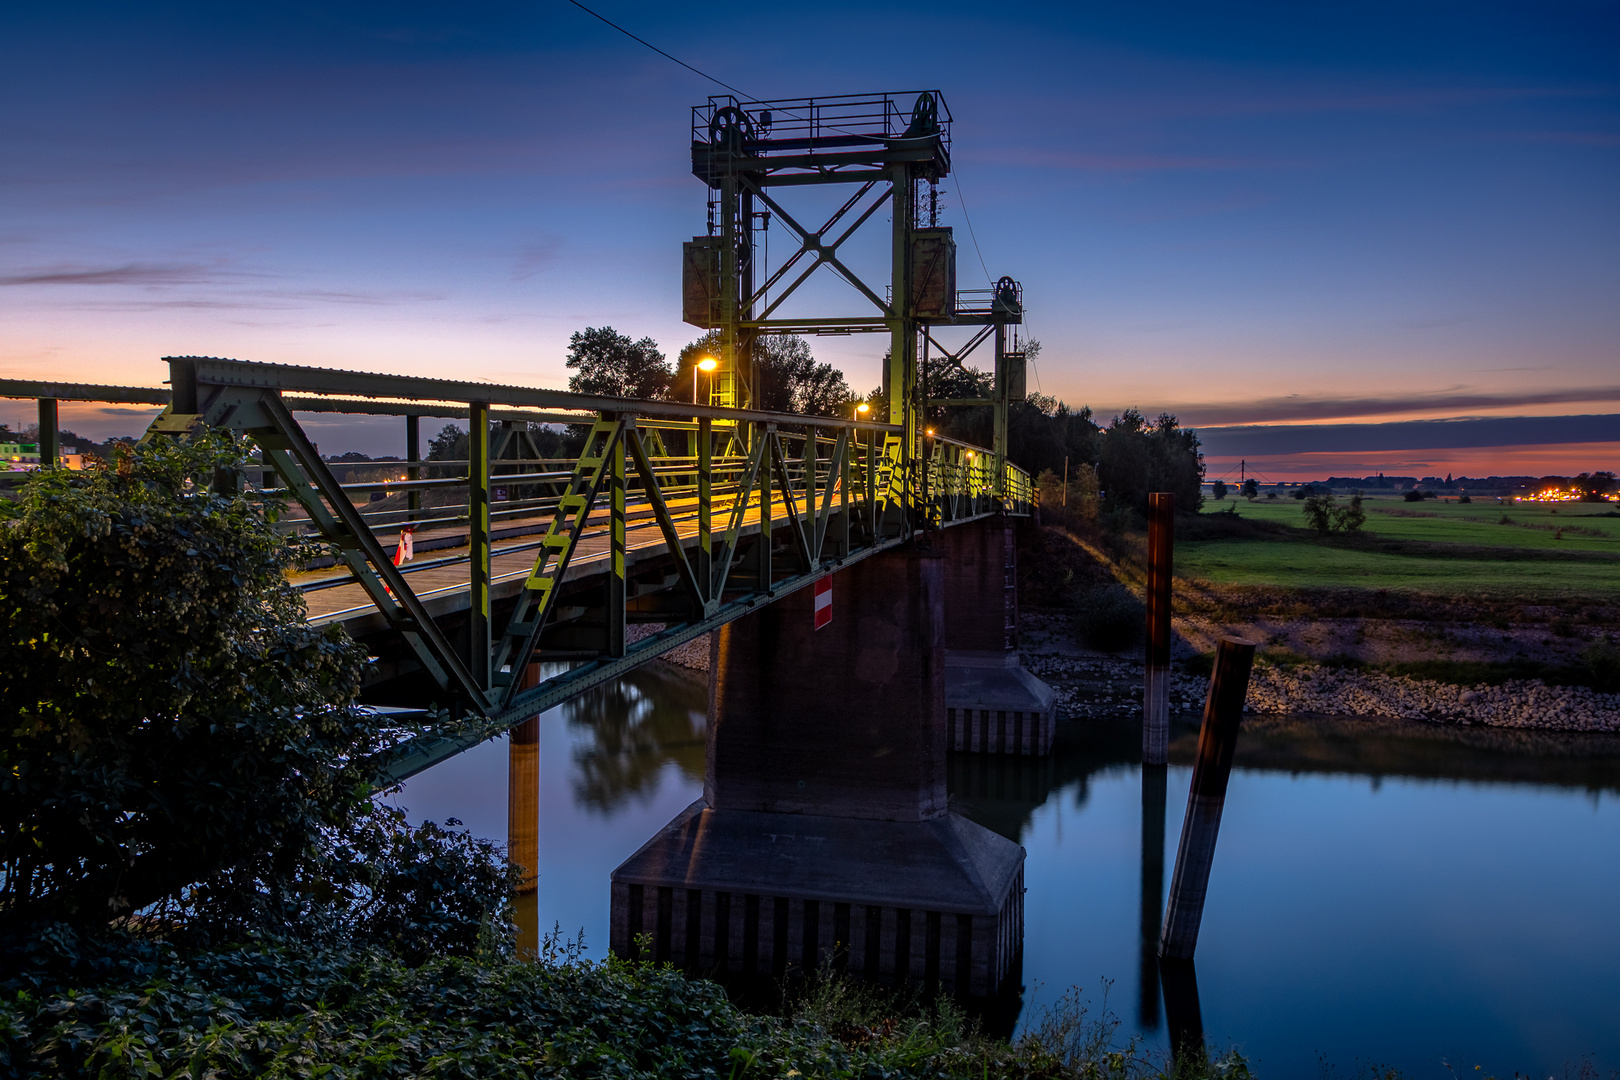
(19, 456)
(24, 457)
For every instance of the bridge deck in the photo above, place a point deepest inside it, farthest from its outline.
(444, 589)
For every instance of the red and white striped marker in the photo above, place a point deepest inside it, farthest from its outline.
(823, 602)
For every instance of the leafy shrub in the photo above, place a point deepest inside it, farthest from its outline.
(1413, 496)
(1465, 498)
(1602, 659)
(141, 1009)
(185, 753)
(1325, 514)
(1110, 618)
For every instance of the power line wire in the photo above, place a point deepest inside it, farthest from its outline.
(956, 178)
(661, 52)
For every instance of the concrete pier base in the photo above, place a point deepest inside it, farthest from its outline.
(762, 894)
(824, 836)
(992, 705)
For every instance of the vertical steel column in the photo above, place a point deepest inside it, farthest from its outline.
(478, 631)
(705, 509)
(764, 562)
(1223, 712)
(617, 583)
(900, 377)
(413, 470)
(811, 507)
(851, 448)
(49, 448)
(998, 442)
(1156, 694)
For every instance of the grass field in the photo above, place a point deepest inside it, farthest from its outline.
(1431, 547)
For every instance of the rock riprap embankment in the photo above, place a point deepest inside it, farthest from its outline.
(1096, 687)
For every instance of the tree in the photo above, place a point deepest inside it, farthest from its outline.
(612, 365)
(1138, 457)
(788, 379)
(1217, 490)
(785, 376)
(1324, 513)
(182, 744)
(1251, 489)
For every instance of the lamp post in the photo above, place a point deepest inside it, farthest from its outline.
(708, 363)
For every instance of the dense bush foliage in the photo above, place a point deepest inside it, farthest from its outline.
(184, 754)
(126, 1007)
(1109, 617)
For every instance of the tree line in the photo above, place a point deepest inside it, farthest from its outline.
(1108, 468)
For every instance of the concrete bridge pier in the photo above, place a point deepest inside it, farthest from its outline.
(992, 705)
(823, 836)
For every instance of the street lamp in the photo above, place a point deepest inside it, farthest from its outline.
(708, 363)
(862, 409)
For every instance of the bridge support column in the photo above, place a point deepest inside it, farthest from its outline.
(992, 705)
(823, 837)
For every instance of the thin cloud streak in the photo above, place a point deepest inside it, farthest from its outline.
(128, 274)
(1296, 408)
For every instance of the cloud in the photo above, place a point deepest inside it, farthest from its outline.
(533, 258)
(1296, 407)
(128, 274)
(1409, 435)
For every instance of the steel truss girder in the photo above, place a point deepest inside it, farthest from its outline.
(845, 496)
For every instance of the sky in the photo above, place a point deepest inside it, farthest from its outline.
(1253, 216)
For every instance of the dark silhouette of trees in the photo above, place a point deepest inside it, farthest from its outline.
(786, 376)
(183, 751)
(610, 363)
(1138, 457)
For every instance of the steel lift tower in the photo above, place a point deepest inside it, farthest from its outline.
(893, 149)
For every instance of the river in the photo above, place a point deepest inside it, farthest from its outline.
(1383, 894)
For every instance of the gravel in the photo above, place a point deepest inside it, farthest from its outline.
(1094, 687)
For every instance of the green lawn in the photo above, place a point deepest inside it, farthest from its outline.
(1461, 561)
(1476, 523)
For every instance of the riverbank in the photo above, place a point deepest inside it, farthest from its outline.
(1101, 687)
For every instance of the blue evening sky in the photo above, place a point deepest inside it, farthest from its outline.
(1241, 213)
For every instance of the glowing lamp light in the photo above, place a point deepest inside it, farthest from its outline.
(863, 408)
(706, 363)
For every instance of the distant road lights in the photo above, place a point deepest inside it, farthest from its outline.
(706, 363)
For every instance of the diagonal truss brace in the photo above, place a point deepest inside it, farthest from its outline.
(825, 253)
(603, 446)
(299, 464)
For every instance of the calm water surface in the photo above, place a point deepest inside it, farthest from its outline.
(1419, 899)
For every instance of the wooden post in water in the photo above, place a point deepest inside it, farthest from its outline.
(523, 825)
(1154, 788)
(1156, 694)
(1223, 710)
(1182, 1013)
